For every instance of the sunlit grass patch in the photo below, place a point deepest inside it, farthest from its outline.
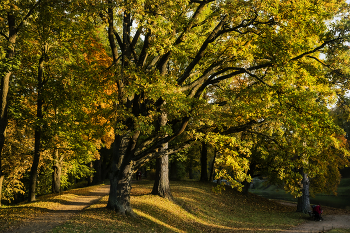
(196, 209)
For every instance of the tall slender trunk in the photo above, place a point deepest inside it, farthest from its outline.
(91, 177)
(304, 200)
(5, 84)
(204, 161)
(37, 135)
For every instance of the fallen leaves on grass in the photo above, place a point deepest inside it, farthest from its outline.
(196, 209)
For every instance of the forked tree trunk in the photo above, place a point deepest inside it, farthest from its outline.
(304, 200)
(204, 162)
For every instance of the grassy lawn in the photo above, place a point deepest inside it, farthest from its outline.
(13, 214)
(197, 209)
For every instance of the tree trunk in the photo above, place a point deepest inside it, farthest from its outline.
(57, 171)
(304, 200)
(118, 152)
(4, 88)
(37, 134)
(56, 178)
(98, 174)
(161, 185)
(91, 177)
(211, 177)
(204, 163)
(246, 184)
(119, 196)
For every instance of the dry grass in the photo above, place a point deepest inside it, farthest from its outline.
(197, 209)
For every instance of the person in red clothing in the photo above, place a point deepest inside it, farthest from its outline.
(317, 210)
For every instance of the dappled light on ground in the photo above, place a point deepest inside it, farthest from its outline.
(196, 209)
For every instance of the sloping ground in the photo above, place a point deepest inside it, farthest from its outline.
(197, 209)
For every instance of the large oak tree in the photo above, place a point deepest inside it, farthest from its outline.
(167, 53)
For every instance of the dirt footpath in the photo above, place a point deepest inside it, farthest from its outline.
(48, 221)
(333, 218)
(329, 222)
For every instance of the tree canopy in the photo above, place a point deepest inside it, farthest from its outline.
(255, 79)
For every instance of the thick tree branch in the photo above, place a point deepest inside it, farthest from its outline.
(136, 37)
(201, 52)
(143, 54)
(316, 49)
(156, 145)
(111, 35)
(200, 80)
(239, 71)
(139, 161)
(119, 40)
